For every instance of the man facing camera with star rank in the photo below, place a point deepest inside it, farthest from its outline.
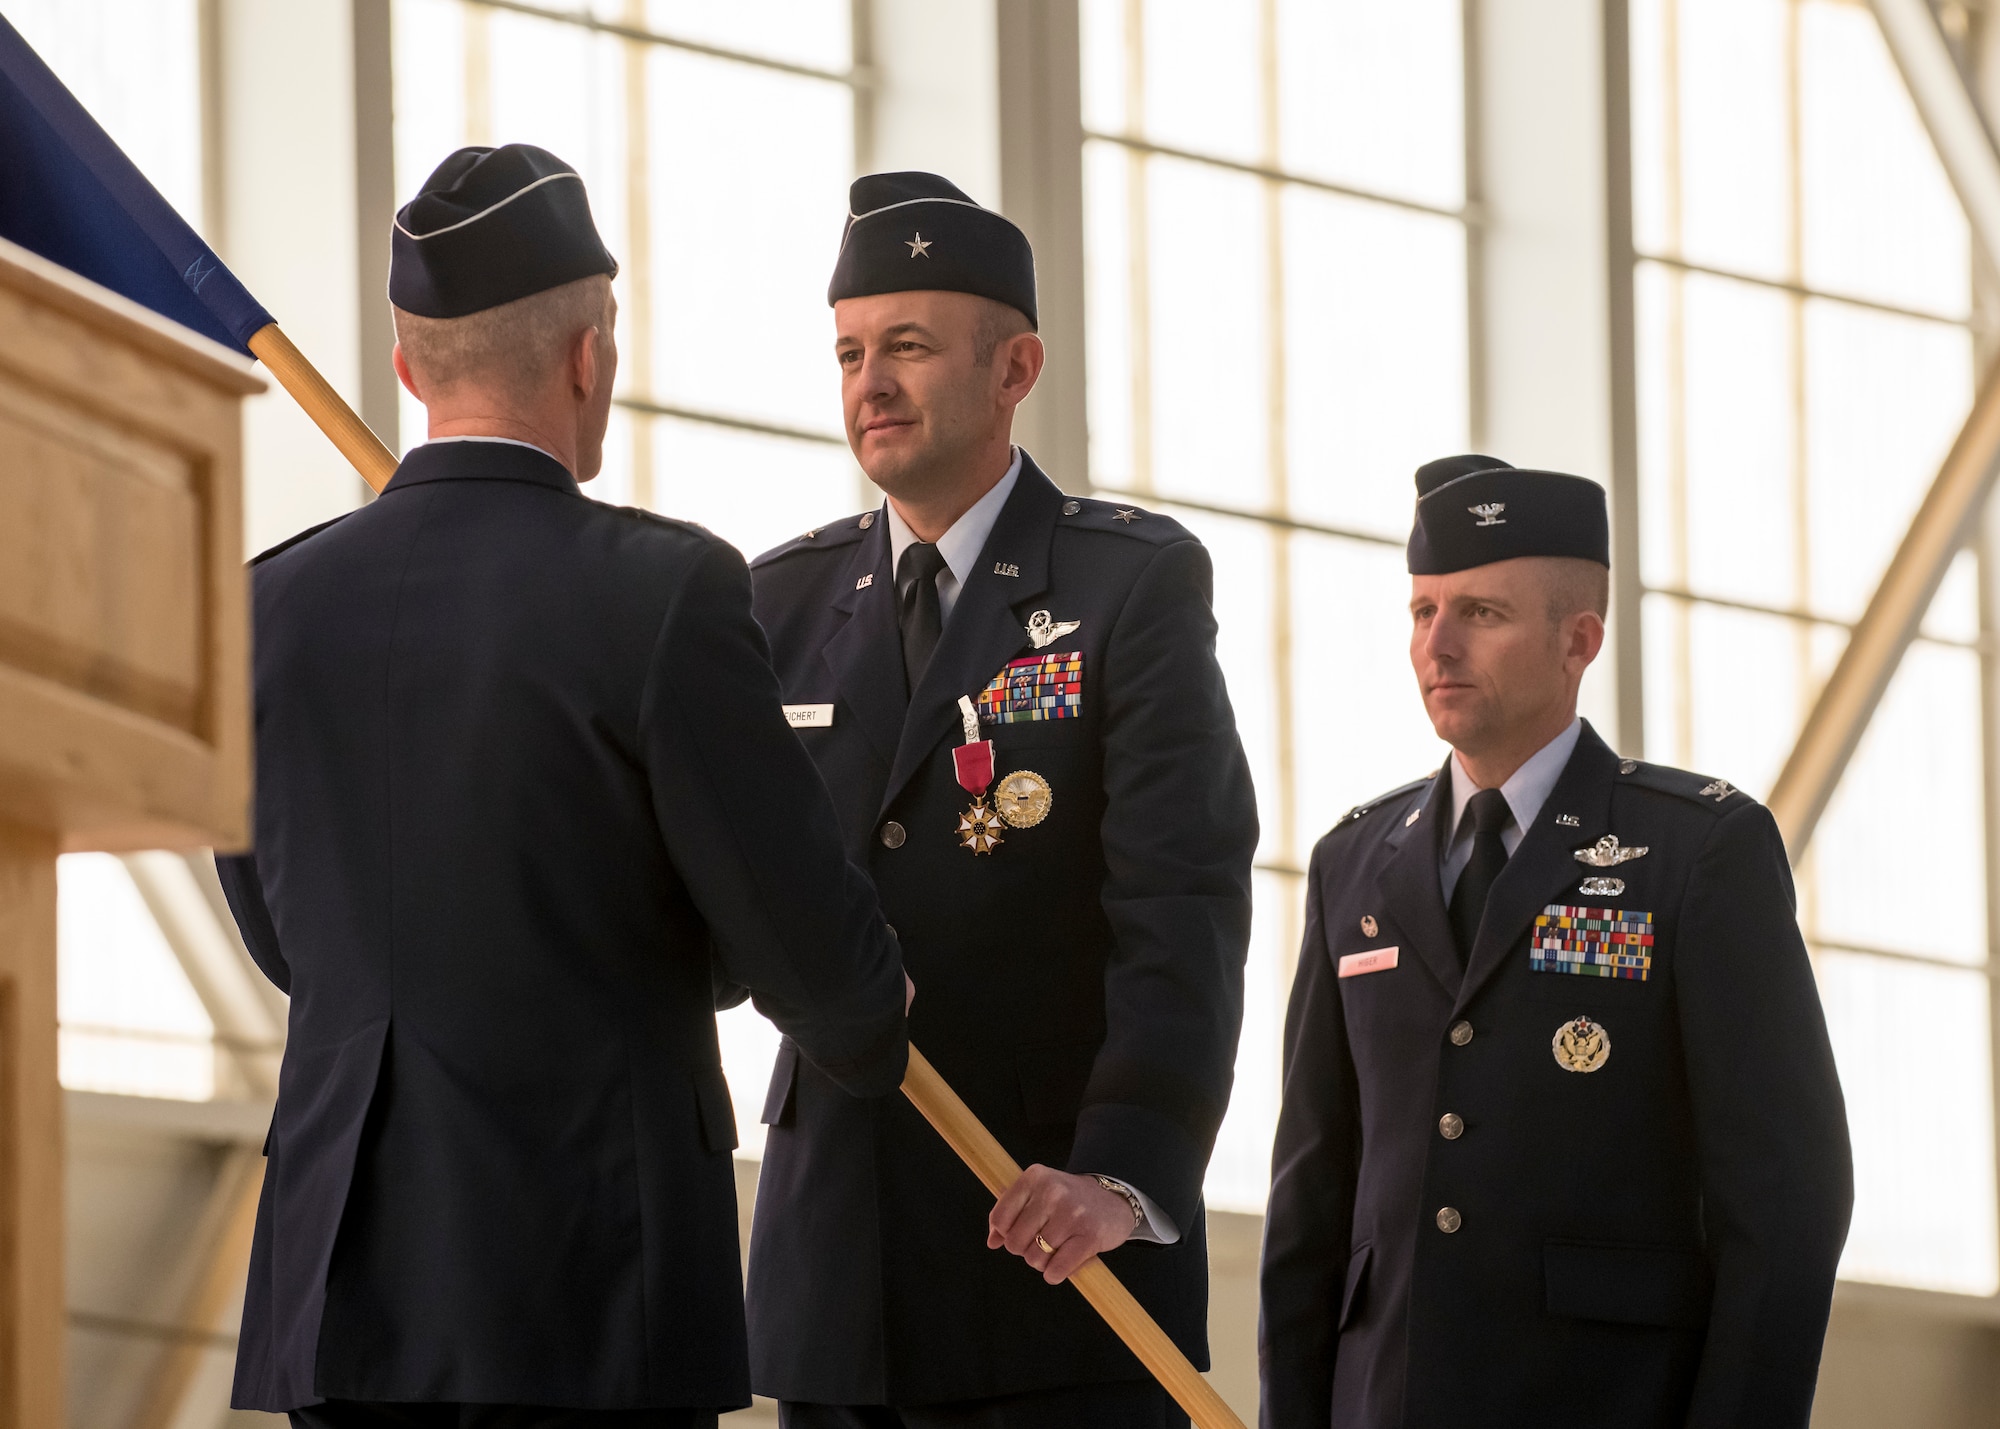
(1561, 1139)
(1015, 699)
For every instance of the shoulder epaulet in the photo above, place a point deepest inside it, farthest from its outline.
(672, 523)
(305, 535)
(835, 534)
(1124, 518)
(1695, 788)
(1396, 794)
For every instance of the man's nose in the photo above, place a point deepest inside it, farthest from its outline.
(876, 381)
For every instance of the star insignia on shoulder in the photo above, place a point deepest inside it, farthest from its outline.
(1128, 517)
(918, 246)
(811, 535)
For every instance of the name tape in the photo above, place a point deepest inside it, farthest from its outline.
(809, 716)
(1377, 960)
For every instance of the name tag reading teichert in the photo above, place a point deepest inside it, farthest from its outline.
(1377, 960)
(809, 716)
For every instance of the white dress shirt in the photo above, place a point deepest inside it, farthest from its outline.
(1525, 792)
(505, 442)
(960, 546)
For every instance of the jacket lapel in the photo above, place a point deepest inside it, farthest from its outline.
(1411, 894)
(866, 653)
(1544, 865)
(986, 629)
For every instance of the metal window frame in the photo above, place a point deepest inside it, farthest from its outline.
(639, 400)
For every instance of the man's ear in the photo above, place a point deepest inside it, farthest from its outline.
(585, 370)
(1586, 637)
(1025, 356)
(403, 373)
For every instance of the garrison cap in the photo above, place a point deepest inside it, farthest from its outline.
(490, 226)
(1473, 510)
(912, 231)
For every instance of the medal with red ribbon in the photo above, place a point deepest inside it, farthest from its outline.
(978, 827)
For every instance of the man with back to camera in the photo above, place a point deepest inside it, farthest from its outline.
(1561, 1138)
(523, 791)
(1015, 699)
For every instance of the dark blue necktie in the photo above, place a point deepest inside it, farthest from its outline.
(1490, 815)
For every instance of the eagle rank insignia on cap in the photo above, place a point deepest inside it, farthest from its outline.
(1581, 1046)
(1608, 853)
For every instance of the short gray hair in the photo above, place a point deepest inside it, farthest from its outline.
(1577, 585)
(513, 347)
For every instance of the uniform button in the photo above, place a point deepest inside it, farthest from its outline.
(1449, 1220)
(1461, 1032)
(1629, 766)
(1451, 1126)
(1070, 508)
(893, 835)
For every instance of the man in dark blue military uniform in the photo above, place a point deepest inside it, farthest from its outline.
(524, 795)
(1562, 1140)
(1014, 697)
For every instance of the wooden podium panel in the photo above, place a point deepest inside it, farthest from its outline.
(124, 714)
(124, 707)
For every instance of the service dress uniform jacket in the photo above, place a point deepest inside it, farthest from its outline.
(1545, 1195)
(1080, 985)
(524, 792)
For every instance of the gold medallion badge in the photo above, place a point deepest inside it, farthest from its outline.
(1581, 1046)
(1023, 798)
(979, 828)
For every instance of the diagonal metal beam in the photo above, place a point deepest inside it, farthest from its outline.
(1943, 523)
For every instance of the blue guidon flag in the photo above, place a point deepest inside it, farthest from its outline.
(70, 194)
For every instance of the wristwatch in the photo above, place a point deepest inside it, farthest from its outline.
(1119, 1188)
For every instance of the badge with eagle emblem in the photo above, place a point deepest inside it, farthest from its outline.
(1581, 1046)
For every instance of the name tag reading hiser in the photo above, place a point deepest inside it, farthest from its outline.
(1376, 960)
(809, 716)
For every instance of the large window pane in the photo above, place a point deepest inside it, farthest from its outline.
(1375, 356)
(1914, 1048)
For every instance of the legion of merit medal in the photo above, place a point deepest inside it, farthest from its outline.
(978, 827)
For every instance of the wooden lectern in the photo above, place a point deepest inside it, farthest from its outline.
(124, 708)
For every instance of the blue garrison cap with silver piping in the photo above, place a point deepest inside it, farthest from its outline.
(490, 226)
(1473, 510)
(914, 231)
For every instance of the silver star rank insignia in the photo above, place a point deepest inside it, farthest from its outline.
(1128, 517)
(918, 245)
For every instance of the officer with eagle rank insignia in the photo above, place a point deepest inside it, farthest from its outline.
(1561, 1139)
(1015, 699)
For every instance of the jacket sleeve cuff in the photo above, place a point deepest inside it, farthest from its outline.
(1137, 1146)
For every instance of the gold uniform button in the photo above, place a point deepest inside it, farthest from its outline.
(1449, 1220)
(1451, 1126)
(893, 835)
(1461, 1033)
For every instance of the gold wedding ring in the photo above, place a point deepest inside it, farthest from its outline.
(1046, 1247)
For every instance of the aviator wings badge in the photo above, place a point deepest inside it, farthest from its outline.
(1044, 631)
(1607, 852)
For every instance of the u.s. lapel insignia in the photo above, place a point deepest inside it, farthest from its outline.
(865, 582)
(1602, 887)
(1044, 631)
(1717, 790)
(1568, 821)
(1369, 927)
(1581, 1046)
(1608, 853)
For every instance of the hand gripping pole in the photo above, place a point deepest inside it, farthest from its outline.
(989, 1161)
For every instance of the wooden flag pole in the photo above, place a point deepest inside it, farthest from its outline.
(989, 1161)
(330, 413)
(975, 1145)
